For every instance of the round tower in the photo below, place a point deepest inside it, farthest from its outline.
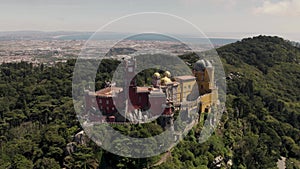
(204, 73)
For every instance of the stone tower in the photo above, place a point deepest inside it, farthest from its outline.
(208, 91)
(204, 73)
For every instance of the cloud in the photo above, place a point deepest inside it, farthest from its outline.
(280, 8)
(224, 3)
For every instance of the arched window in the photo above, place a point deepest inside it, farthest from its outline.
(206, 110)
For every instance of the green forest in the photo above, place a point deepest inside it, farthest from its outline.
(261, 124)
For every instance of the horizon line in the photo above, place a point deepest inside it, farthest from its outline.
(219, 35)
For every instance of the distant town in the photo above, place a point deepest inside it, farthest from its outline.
(50, 48)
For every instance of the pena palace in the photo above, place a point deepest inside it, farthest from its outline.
(166, 94)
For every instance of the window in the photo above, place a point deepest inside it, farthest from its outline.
(107, 101)
(100, 100)
(206, 110)
(112, 108)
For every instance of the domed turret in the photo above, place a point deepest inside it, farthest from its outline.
(202, 64)
(204, 73)
(166, 79)
(156, 79)
(156, 75)
(167, 74)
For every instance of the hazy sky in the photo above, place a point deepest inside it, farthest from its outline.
(280, 17)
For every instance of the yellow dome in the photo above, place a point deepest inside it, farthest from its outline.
(165, 80)
(167, 74)
(156, 75)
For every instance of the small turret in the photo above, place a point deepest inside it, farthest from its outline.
(156, 80)
(166, 79)
(202, 64)
(167, 74)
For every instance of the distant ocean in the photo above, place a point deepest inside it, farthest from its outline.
(150, 37)
(61, 35)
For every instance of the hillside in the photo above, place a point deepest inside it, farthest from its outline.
(271, 68)
(264, 97)
(262, 121)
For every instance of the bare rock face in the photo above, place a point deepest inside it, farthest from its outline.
(71, 148)
(81, 138)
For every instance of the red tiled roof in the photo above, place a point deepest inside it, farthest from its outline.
(107, 92)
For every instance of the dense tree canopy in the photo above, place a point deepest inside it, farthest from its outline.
(261, 122)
